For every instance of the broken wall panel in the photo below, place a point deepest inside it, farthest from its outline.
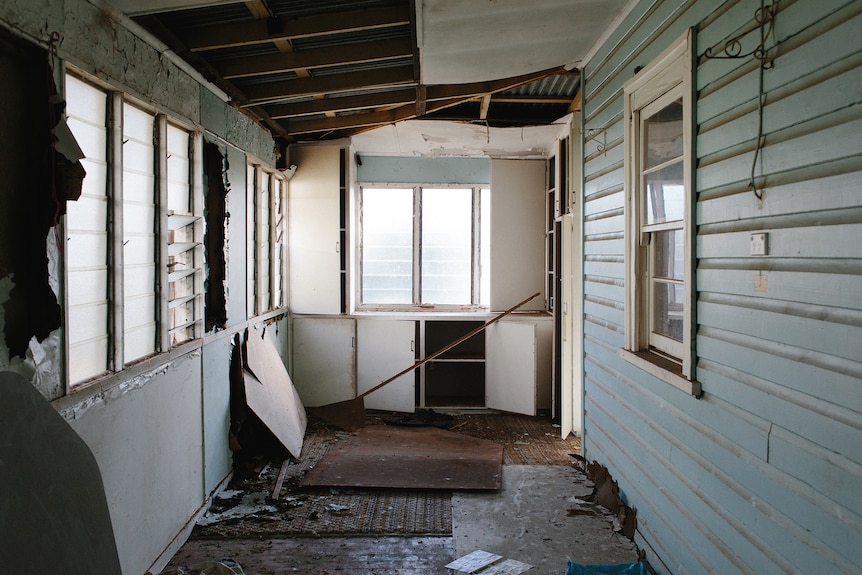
(269, 392)
(216, 187)
(30, 195)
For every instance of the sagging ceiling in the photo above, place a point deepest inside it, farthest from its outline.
(312, 70)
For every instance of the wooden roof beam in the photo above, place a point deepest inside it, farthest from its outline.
(272, 29)
(394, 98)
(319, 58)
(360, 120)
(272, 92)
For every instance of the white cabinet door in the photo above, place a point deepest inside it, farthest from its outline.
(324, 359)
(315, 232)
(386, 347)
(510, 367)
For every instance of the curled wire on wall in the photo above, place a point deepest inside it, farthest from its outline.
(764, 17)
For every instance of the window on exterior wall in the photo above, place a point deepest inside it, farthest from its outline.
(133, 254)
(279, 219)
(659, 280)
(263, 257)
(251, 235)
(185, 241)
(139, 234)
(86, 252)
(421, 247)
(266, 240)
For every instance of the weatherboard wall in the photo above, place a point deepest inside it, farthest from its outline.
(761, 474)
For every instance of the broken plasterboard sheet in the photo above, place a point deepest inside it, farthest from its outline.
(249, 504)
(484, 563)
(270, 394)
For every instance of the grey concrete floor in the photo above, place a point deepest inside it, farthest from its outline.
(528, 520)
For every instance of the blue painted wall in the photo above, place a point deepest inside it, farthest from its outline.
(385, 169)
(762, 474)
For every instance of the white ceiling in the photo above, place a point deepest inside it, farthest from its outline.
(482, 40)
(437, 139)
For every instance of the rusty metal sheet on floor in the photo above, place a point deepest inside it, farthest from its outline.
(410, 458)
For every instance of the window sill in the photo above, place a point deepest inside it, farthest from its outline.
(663, 369)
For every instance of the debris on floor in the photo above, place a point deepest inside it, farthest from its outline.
(484, 563)
(637, 568)
(220, 567)
(235, 504)
(422, 418)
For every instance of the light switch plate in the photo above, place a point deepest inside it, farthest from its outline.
(758, 244)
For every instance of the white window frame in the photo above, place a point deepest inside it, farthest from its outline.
(267, 236)
(669, 76)
(114, 328)
(476, 247)
(189, 224)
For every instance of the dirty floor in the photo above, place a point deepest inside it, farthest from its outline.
(270, 524)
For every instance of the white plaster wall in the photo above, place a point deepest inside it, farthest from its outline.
(216, 357)
(517, 233)
(147, 441)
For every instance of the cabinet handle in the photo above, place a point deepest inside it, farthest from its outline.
(353, 342)
(337, 247)
(412, 344)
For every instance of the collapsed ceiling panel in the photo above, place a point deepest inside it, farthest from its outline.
(477, 41)
(322, 70)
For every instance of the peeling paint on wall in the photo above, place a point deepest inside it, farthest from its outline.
(109, 393)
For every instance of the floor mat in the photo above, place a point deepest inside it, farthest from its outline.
(321, 512)
(410, 458)
(300, 511)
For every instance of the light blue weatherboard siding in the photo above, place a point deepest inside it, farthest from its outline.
(763, 474)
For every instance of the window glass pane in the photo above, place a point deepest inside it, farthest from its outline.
(278, 261)
(87, 232)
(447, 228)
(485, 247)
(667, 303)
(665, 194)
(668, 249)
(662, 133)
(387, 245)
(264, 240)
(251, 229)
(139, 234)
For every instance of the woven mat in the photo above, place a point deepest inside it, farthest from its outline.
(299, 511)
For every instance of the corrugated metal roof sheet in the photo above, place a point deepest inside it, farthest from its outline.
(373, 35)
(306, 7)
(556, 85)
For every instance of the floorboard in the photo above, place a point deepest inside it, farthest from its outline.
(326, 555)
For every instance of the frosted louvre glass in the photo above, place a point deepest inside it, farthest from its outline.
(86, 252)
(447, 240)
(263, 243)
(387, 245)
(139, 234)
(485, 247)
(184, 252)
(278, 265)
(251, 231)
(179, 188)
